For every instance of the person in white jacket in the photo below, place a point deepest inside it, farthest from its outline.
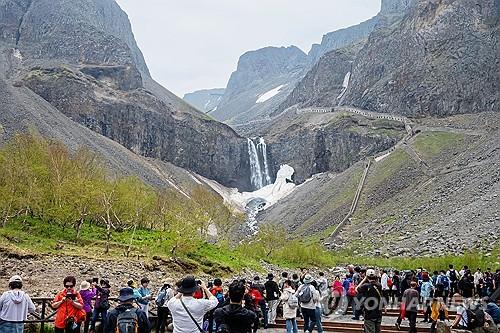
(289, 312)
(15, 305)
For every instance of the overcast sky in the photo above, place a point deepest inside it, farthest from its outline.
(195, 44)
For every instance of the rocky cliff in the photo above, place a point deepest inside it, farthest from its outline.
(326, 82)
(260, 72)
(205, 100)
(82, 58)
(314, 143)
(441, 58)
(341, 38)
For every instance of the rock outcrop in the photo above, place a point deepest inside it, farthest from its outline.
(326, 82)
(441, 59)
(315, 143)
(82, 58)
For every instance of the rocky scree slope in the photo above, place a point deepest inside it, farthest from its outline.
(441, 58)
(82, 58)
(407, 207)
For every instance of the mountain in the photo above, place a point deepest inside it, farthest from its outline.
(436, 62)
(281, 85)
(441, 58)
(82, 59)
(262, 79)
(341, 38)
(206, 100)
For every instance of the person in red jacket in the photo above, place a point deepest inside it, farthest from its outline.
(69, 306)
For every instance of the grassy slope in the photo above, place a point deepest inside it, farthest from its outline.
(35, 236)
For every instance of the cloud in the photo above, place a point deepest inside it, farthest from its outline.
(195, 44)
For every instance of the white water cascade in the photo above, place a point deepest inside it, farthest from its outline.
(263, 149)
(259, 168)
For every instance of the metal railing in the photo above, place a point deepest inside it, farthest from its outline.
(46, 313)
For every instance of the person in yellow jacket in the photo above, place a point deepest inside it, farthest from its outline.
(439, 311)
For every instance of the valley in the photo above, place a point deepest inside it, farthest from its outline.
(381, 142)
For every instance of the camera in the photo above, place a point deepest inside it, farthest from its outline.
(71, 296)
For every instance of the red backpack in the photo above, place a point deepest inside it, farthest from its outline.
(352, 290)
(389, 282)
(256, 296)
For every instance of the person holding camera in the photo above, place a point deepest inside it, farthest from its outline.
(101, 305)
(187, 311)
(69, 306)
(15, 305)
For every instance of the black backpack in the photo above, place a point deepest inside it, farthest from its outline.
(453, 275)
(475, 318)
(127, 321)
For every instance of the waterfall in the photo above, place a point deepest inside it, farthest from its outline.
(255, 170)
(259, 168)
(263, 147)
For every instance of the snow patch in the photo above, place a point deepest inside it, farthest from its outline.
(18, 54)
(345, 85)
(270, 94)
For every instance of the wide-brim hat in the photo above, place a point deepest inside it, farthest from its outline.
(126, 294)
(15, 278)
(308, 279)
(85, 285)
(188, 285)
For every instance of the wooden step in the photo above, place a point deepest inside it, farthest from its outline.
(359, 328)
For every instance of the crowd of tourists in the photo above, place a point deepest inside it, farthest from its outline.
(190, 305)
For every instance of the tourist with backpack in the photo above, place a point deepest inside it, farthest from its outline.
(234, 318)
(466, 285)
(188, 312)
(272, 297)
(290, 306)
(15, 305)
(69, 306)
(370, 292)
(101, 305)
(308, 296)
(461, 318)
(442, 285)
(126, 318)
(164, 295)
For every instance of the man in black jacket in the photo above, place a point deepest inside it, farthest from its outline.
(234, 317)
(272, 297)
(127, 307)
